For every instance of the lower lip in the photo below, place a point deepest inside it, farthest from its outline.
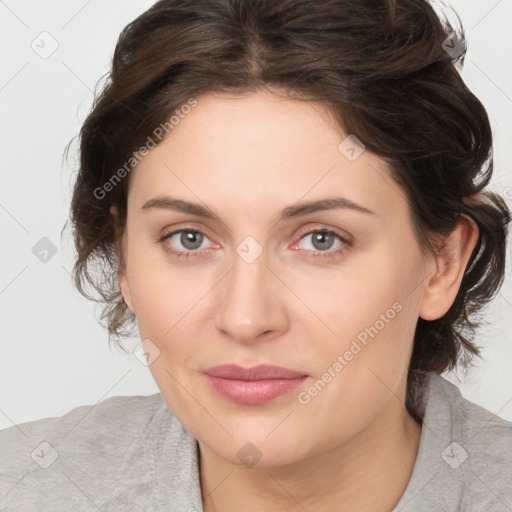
(254, 391)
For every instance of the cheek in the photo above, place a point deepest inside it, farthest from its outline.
(164, 293)
(363, 366)
(167, 303)
(371, 311)
(375, 292)
(157, 309)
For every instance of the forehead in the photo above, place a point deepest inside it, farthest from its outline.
(262, 150)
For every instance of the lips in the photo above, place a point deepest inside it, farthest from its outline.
(255, 385)
(261, 372)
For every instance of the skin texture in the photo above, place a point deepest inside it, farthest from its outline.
(353, 445)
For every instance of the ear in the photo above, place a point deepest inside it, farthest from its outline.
(125, 290)
(450, 263)
(123, 279)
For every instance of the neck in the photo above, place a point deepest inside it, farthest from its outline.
(369, 473)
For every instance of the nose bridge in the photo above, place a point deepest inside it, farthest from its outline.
(250, 304)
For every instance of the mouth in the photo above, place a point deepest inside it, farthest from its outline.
(255, 385)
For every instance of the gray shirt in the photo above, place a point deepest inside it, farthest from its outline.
(132, 454)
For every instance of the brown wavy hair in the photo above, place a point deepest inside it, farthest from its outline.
(381, 68)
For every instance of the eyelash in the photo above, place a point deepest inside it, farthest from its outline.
(315, 254)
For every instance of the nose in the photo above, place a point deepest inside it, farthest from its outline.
(251, 305)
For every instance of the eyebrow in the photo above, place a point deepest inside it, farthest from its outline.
(304, 208)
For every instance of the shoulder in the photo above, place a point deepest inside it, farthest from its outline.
(487, 434)
(97, 425)
(87, 444)
(480, 449)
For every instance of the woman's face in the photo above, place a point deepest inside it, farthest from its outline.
(273, 275)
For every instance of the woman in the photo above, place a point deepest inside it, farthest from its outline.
(287, 199)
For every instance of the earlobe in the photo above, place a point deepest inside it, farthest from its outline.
(123, 280)
(125, 290)
(443, 282)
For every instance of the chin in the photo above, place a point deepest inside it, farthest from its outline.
(251, 448)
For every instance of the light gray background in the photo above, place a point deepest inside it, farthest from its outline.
(54, 355)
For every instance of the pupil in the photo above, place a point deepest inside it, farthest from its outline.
(323, 240)
(191, 239)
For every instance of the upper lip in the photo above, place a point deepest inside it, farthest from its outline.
(260, 372)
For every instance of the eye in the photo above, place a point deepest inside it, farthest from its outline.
(187, 241)
(320, 241)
